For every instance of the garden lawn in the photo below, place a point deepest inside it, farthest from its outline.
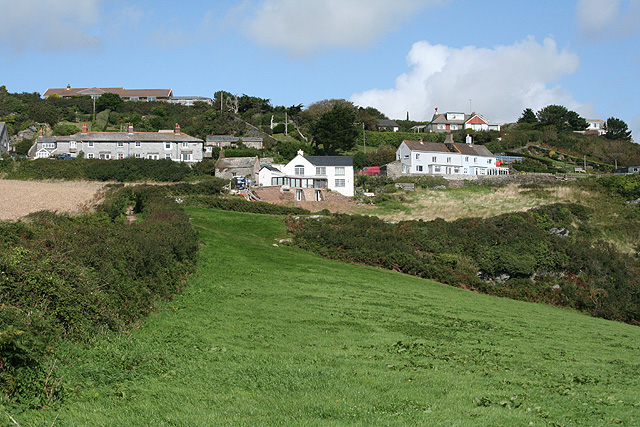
(271, 335)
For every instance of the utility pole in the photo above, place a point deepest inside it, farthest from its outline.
(286, 124)
(364, 139)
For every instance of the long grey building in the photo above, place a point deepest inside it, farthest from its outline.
(171, 144)
(4, 138)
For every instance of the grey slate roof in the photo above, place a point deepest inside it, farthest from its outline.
(473, 150)
(389, 123)
(330, 160)
(236, 162)
(442, 119)
(124, 136)
(437, 147)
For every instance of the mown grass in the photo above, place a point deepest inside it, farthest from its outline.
(272, 335)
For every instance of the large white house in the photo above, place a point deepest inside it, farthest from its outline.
(169, 144)
(449, 158)
(319, 173)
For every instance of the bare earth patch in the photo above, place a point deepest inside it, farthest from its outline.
(20, 198)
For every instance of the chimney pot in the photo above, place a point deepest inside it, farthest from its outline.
(85, 129)
(177, 129)
(130, 127)
(40, 132)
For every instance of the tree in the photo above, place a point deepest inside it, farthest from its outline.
(528, 116)
(335, 129)
(109, 101)
(562, 118)
(617, 129)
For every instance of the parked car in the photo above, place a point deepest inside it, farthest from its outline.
(65, 156)
(369, 170)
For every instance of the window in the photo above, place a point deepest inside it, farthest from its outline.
(151, 98)
(419, 168)
(299, 195)
(90, 143)
(153, 156)
(120, 156)
(167, 145)
(321, 170)
(454, 127)
(475, 160)
(137, 155)
(299, 170)
(340, 183)
(133, 98)
(441, 127)
(48, 145)
(417, 156)
(186, 157)
(90, 156)
(437, 169)
(120, 144)
(137, 143)
(339, 170)
(466, 159)
(456, 170)
(185, 144)
(434, 159)
(167, 156)
(489, 161)
(72, 144)
(448, 159)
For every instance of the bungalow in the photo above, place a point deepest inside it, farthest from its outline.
(4, 138)
(233, 141)
(312, 173)
(232, 167)
(167, 144)
(388, 125)
(448, 158)
(147, 95)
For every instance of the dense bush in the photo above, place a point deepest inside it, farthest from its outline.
(539, 255)
(241, 205)
(74, 277)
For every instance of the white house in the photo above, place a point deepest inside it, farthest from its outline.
(319, 173)
(449, 158)
(451, 121)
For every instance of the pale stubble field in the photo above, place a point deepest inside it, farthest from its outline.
(20, 198)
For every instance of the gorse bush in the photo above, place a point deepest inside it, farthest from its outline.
(74, 277)
(540, 255)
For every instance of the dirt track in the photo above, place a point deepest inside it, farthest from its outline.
(19, 198)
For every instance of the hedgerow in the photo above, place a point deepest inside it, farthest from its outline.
(540, 255)
(66, 277)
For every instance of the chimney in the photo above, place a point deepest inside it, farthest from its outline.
(40, 132)
(469, 139)
(300, 153)
(177, 129)
(130, 128)
(85, 129)
(420, 140)
(68, 87)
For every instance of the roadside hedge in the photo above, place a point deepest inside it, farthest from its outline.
(74, 277)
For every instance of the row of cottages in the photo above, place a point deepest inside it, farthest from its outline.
(311, 176)
(448, 158)
(143, 95)
(165, 144)
(4, 138)
(452, 121)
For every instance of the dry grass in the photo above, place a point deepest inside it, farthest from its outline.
(20, 198)
(479, 202)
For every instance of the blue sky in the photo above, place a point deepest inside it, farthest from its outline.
(496, 57)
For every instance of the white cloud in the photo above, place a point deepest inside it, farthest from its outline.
(604, 18)
(634, 127)
(48, 24)
(302, 27)
(500, 82)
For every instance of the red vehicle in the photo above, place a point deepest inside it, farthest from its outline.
(369, 170)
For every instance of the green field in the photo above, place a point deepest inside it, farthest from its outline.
(272, 335)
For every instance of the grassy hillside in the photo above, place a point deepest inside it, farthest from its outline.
(272, 335)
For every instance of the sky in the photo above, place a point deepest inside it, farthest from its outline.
(403, 57)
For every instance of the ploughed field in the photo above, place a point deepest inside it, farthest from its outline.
(20, 198)
(266, 334)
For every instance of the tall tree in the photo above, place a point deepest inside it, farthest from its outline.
(562, 118)
(528, 116)
(335, 130)
(109, 101)
(617, 129)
